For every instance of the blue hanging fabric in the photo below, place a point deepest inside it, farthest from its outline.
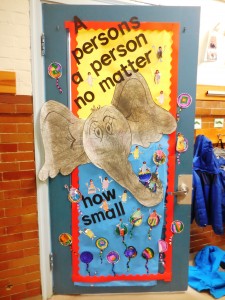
(206, 274)
(208, 197)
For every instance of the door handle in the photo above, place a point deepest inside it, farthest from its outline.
(182, 190)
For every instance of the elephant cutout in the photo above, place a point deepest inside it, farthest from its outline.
(106, 136)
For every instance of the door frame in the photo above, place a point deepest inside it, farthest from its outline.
(37, 64)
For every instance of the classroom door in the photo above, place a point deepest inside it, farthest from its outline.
(117, 130)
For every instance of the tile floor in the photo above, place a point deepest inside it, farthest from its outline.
(190, 294)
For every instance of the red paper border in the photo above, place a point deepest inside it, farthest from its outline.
(169, 211)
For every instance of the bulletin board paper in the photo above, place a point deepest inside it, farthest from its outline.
(103, 54)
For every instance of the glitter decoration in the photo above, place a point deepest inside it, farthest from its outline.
(101, 244)
(121, 229)
(163, 247)
(159, 157)
(65, 239)
(86, 257)
(55, 71)
(113, 258)
(135, 220)
(184, 100)
(176, 227)
(153, 220)
(181, 145)
(130, 252)
(74, 195)
(147, 254)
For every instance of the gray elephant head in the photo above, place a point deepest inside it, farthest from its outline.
(106, 137)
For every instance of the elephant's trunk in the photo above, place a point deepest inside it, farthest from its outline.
(124, 175)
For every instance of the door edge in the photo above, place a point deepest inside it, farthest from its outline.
(37, 63)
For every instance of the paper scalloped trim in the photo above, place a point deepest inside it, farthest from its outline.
(169, 211)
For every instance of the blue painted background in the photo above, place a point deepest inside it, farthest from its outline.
(136, 237)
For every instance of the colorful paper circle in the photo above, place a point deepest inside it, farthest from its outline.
(184, 100)
(113, 257)
(182, 143)
(136, 218)
(148, 253)
(122, 231)
(177, 226)
(74, 195)
(102, 243)
(86, 257)
(65, 239)
(163, 246)
(144, 178)
(153, 219)
(55, 70)
(130, 252)
(159, 157)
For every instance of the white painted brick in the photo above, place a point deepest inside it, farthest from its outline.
(7, 29)
(24, 76)
(21, 42)
(6, 17)
(20, 18)
(22, 53)
(15, 5)
(21, 30)
(23, 83)
(23, 88)
(7, 41)
(6, 64)
(15, 52)
(13, 18)
(7, 52)
(22, 65)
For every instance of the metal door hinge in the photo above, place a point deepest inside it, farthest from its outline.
(51, 261)
(43, 44)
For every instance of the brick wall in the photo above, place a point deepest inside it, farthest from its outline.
(203, 236)
(19, 248)
(208, 108)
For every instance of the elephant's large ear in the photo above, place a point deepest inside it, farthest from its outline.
(62, 135)
(147, 120)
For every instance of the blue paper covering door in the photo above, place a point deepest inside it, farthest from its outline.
(57, 50)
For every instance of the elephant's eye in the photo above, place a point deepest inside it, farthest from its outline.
(109, 128)
(108, 120)
(98, 132)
